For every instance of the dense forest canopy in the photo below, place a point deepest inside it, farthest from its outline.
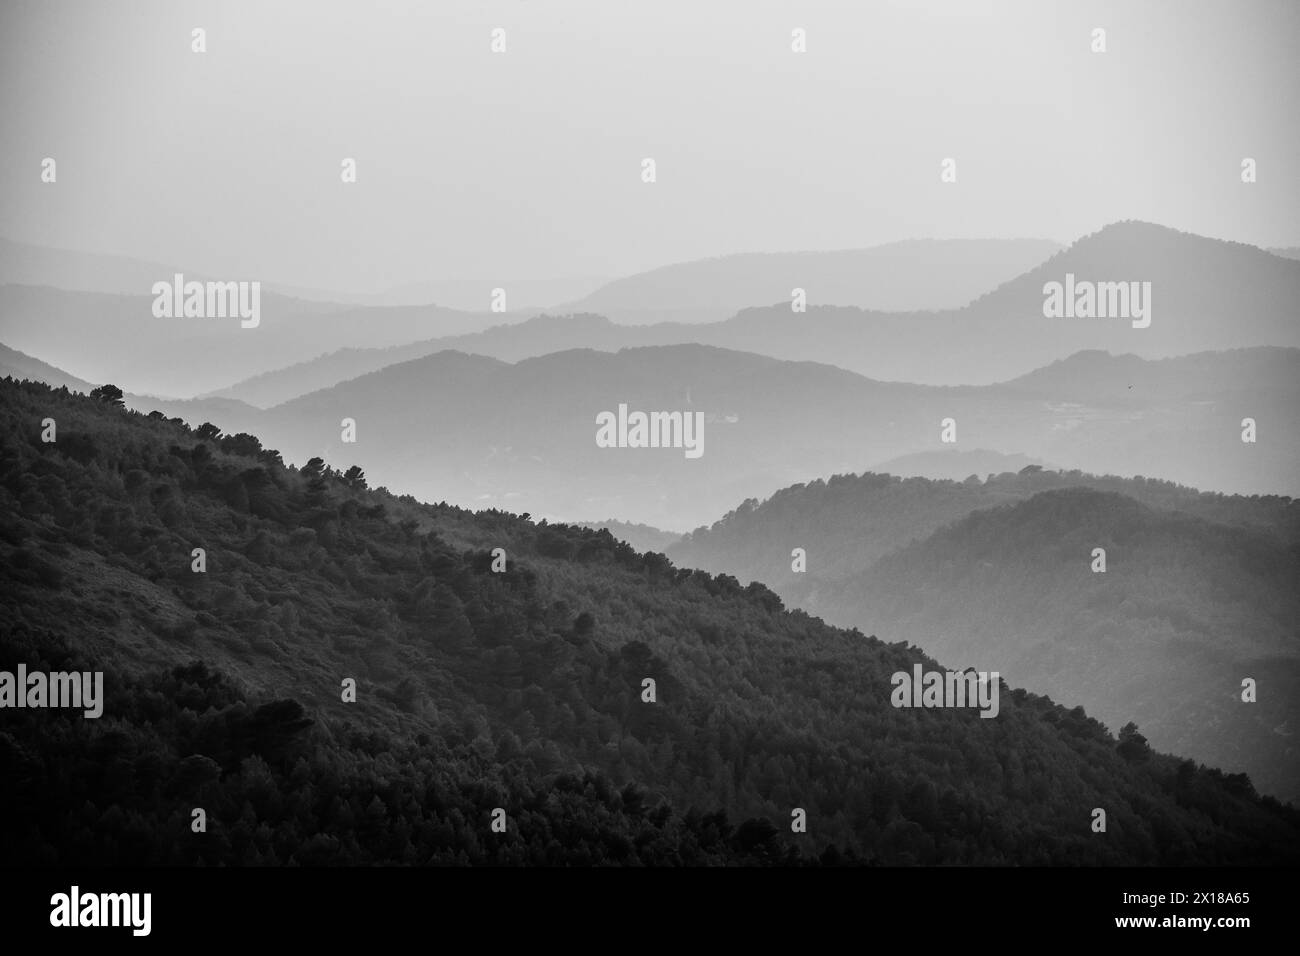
(479, 689)
(1138, 599)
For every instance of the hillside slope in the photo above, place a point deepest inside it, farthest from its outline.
(476, 689)
(1200, 592)
(848, 522)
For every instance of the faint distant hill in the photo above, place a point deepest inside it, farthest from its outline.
(1096, 376)
(1207, 295)
(1286, 252)
(22, 367)
(955, 465)
(905, 276)
(23, 263)
(16, 365)
(103, 337)
(484, 433)
(510, 343)
(643, 537)
(475, 295)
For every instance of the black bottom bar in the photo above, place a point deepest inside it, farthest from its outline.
(241, 906)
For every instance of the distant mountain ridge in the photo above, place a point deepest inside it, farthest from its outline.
(23, 367)
(893, 277)
(1207, 295)
(956, 465)
(485, 433)
(117, 337)
(640, 536)
(25, 263)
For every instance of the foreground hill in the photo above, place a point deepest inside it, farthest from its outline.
(476, 690)
(1199, 593)
(1186, 611)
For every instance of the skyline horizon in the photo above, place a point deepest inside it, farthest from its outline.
(289, 289)
(513, 139)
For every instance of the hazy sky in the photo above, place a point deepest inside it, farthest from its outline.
(527, 164)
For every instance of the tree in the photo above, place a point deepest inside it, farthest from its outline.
(317, 487)
(241, 444)
(446, 620)
(109, 394)
(208, 432)
(1132, 745)
(355, 478)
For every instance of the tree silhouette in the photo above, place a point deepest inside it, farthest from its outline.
(241, 444)
(109, 394)
(1132, 745)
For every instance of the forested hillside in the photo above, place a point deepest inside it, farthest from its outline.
(1200, 591)
(1184, 612)
(642, 537)
(477, 689)
(848, 522)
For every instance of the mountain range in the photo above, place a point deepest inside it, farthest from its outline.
(480, 432)
(1206, 295)
(895, 277)
(484, 433)
(103, 337)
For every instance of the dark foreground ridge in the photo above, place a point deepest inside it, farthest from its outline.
(480, 689)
